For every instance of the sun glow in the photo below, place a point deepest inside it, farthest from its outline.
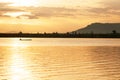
(17, 14)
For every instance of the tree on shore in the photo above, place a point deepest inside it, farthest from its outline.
(114, 31)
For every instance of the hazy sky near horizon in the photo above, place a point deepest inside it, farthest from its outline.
(55, 15)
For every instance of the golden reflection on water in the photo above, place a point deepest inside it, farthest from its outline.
(17, 68)
(60, 62)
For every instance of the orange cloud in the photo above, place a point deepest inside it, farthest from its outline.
(37, 12)
(6, 8)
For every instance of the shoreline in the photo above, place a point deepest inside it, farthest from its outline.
(58, 35)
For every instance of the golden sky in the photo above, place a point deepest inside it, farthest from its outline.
(55, 15)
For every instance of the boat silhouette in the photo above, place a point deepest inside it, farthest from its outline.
(25, 39)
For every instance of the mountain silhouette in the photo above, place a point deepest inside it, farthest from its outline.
(100, 28)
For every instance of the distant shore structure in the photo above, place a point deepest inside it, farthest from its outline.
(94, 30)
(100, 28)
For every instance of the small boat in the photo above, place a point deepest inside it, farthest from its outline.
(25, 39)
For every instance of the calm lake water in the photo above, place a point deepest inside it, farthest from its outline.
(59, 59)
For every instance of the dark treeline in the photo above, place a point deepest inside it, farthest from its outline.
(60, 35)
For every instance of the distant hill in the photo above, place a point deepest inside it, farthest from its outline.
(100, 28)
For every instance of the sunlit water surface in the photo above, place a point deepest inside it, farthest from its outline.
(59, 59)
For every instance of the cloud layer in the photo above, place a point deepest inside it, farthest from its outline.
(110, 7)
(5, 8)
